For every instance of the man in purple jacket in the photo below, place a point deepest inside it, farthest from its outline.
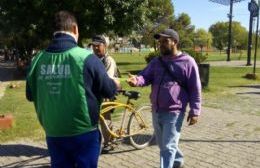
(175, 82)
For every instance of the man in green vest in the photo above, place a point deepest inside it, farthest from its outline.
(67, 84)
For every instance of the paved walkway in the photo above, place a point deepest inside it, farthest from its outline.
(234, 63)
(221, 139)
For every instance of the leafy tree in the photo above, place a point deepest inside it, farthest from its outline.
(219, 32)
(182, 24)
(159, 16)
(202, 38)
(28, 23)
(239, 36)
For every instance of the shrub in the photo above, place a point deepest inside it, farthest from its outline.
(198, 56)
(151, 55)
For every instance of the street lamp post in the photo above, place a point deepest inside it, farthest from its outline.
(253, 8)
(228, 2)
(256, 39)
(230, 30)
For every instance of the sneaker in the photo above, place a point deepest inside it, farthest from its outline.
(106, 149)
(178, 165)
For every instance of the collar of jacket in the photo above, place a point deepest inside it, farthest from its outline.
(61, 42)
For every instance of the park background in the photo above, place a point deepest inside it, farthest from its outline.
(25, 28)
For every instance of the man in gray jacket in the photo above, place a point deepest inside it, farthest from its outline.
(99, 45)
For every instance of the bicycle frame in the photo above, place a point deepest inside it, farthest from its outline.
(128, 108)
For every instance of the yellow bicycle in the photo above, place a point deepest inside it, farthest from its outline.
(129, 121)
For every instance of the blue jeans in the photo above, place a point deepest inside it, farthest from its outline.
(81, 151)
(167, 127)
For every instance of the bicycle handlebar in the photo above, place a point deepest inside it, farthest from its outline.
(130, 94)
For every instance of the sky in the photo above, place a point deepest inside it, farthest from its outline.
(204, 13)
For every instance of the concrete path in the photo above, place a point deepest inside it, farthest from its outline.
(221, 139)
(234, 63)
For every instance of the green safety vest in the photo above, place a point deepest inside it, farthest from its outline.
(57, 86)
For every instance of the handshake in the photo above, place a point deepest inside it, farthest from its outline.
(132, 80)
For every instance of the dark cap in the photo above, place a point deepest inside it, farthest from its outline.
(98, 39)
(170, 33)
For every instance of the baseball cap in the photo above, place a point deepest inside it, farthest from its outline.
(98, 39)
(170, 33)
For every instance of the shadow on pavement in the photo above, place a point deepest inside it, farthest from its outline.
(246, 86)
(248, 93)
(26, 163)
(117, 151)
(16, 150)
(126, 141)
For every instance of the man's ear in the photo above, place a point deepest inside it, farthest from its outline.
(75, 31)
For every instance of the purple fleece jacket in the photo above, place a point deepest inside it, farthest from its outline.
(167, 95)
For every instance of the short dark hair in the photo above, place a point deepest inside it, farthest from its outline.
(64, 21)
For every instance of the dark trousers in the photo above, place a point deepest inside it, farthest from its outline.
(81, 151)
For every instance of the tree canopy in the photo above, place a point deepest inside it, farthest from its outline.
(182, 24)
(159, 16)
(202, 38)
(27, 24)
(219, 32)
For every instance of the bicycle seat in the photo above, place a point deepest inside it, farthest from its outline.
(132, 94)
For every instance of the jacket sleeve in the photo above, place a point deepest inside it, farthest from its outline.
(111, 67)
(97, 80)
(194, 88)
(146, 76)
(28, 92)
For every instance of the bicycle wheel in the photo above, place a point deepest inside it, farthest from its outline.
(140, 127)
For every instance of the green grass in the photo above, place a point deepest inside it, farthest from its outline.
(219, 94)
(223, 77)
(26, 124)
(217, 56)
(225, 84)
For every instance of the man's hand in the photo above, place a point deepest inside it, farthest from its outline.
(117, 82)
(191, 119)
(132, 81)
